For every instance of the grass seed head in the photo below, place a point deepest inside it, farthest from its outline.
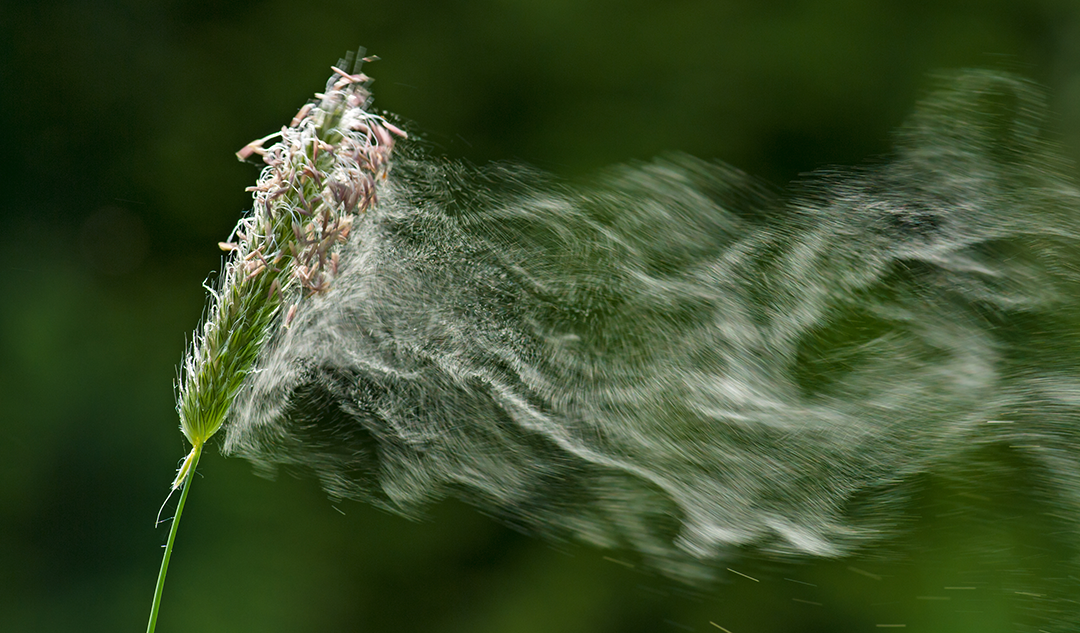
(322, 173)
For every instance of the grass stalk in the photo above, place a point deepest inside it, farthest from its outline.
(192, 462)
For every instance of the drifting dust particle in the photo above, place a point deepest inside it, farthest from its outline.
(800, 582)
(742, 574)
(863, 572)
(619, 562)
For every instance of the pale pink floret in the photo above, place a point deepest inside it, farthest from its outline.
(308, 177)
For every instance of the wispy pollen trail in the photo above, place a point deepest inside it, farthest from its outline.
(675, 360)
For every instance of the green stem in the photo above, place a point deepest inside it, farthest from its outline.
(172, 539)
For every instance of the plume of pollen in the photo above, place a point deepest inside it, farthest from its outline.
(676, 360)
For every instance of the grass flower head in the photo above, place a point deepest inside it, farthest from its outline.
(321, 173)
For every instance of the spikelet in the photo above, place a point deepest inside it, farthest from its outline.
(323, 172)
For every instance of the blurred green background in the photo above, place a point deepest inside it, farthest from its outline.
(120, 122)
